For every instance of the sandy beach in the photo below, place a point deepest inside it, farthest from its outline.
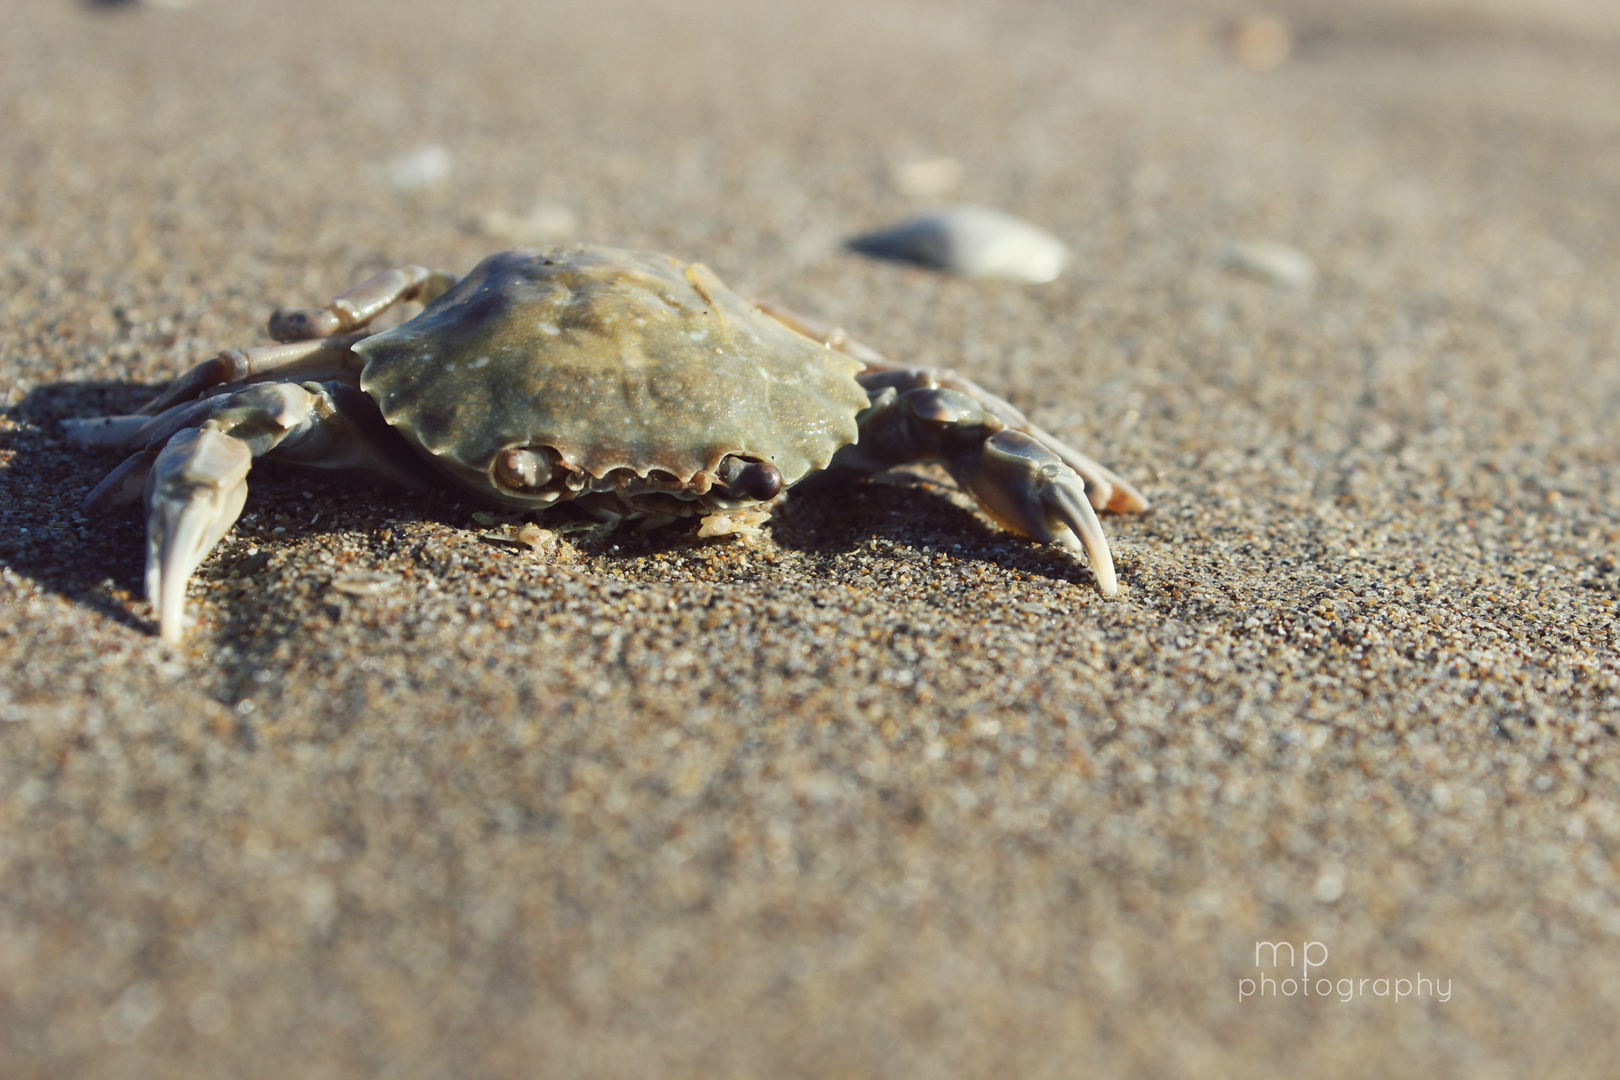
(888, 792)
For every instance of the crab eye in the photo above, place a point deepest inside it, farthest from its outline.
(744, 479)
(523, 469)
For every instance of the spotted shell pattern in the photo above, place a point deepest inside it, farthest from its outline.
(615, 360)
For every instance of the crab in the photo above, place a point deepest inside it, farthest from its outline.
(629, 386)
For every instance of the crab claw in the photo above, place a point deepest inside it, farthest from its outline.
(1028, 488)
(194, 495)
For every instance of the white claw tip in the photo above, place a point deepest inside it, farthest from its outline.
(170, 629)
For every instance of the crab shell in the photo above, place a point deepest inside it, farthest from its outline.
(614, 360)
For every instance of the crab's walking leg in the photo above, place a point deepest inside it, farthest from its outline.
(1017, 479)
(1105, 489)
(357, 307)
(196, 461)
(315, 341)
(320, 359)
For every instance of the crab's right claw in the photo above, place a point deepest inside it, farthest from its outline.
(1026, 487)
(194, 494)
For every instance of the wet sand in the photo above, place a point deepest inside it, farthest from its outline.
(889, 792)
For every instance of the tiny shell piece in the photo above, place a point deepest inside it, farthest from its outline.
(971, 241)
(365, 582)
(1276, 263)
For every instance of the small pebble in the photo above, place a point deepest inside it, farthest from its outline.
(971, 241)
(926, 177)
(1276, 263)
(123, 1021)
(1262, 43)
(545, 223)
(1330, 885)
(365, 582)
(426, 166)
(209, 1013)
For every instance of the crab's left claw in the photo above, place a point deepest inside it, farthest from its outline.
(194, 495)
(1026, 487)
(1017, 478)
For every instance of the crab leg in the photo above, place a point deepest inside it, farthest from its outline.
(357, 307)
(1017, 479)
(322, 358)
(315, 341)
(196, 461)
(328, 358)
(1105, 489)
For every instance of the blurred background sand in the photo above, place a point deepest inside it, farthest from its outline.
(889, 793)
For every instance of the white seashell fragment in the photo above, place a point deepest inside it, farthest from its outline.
(927, 176)
(365, 582)
(424, 167)
(971, 241)
(1276, 263)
